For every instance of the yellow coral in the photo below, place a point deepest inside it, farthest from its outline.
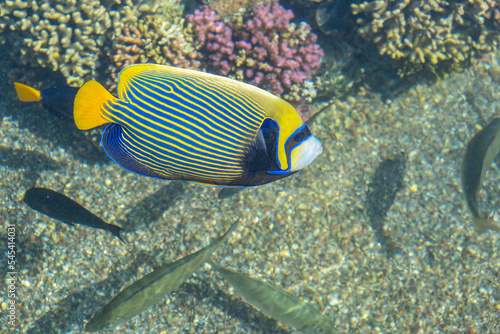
(153, 39)
(429, 31)
(234, 10)
(73, 36)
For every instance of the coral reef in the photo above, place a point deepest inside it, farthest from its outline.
(267, 50)
(233, 10)
(213, 38)
(62, 35)
(76, 37)
(152, 40)
(274, 52)
(426, 33)
(88, 39)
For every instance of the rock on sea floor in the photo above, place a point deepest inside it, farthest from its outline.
(307, 233)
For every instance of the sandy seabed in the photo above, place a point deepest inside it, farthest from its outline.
(308, 233)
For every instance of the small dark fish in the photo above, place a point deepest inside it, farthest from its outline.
(63, 208)
(278, 303)
(152, 288)
(58, 99)
(386, 182)
(335, 17)
(479, 155)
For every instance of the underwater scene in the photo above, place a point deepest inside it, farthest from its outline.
(242, 166)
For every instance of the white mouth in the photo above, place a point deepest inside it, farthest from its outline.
(305, 153)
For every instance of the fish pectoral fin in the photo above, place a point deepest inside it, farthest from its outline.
(112, 142)
(27, 93)
(260, 142)
(88, 103)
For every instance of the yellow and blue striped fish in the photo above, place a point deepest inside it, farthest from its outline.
(180, 124)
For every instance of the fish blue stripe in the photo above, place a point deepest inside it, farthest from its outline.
(170, 168)
(232, 104)
(162, 143)
(148, 103)
(195, 107)
(112, 146)
(240, 101)
(175, 135)
(205, 87)
(118, 151)
(194, 100)
(126, 113)
(162, 154)
(184, 165)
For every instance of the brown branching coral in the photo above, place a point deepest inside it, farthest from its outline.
(151, 40)
(429, 32)
(128, 51)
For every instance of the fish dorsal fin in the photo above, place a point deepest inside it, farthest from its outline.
(112, 142)
(127, 73)
(88, 104)
(27, 93)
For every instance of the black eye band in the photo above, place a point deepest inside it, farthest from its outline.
(299, 137)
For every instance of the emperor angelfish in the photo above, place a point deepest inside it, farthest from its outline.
(180, 124)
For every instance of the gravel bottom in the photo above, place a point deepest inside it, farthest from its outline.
(307, 233)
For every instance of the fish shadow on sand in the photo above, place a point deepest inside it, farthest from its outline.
(151, 207)
(387, 181)
(29, 163)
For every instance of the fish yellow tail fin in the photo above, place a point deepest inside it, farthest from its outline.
(27, 93)
(88, 104)
(482, 225)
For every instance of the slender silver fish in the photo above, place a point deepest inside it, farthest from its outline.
(151, 288)
(278, 303)
(479, 155)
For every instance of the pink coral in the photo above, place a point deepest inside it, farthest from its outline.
(214, 38)
(268, 49)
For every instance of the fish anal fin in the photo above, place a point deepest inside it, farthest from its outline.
(482, 225)
(27, 93)
(88, 103)
(112, 143)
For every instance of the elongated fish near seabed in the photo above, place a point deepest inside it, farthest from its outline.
(153, 287)
(58, 100)
(479, 155)
(180, 124)
(60, 207)
(278, 303)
